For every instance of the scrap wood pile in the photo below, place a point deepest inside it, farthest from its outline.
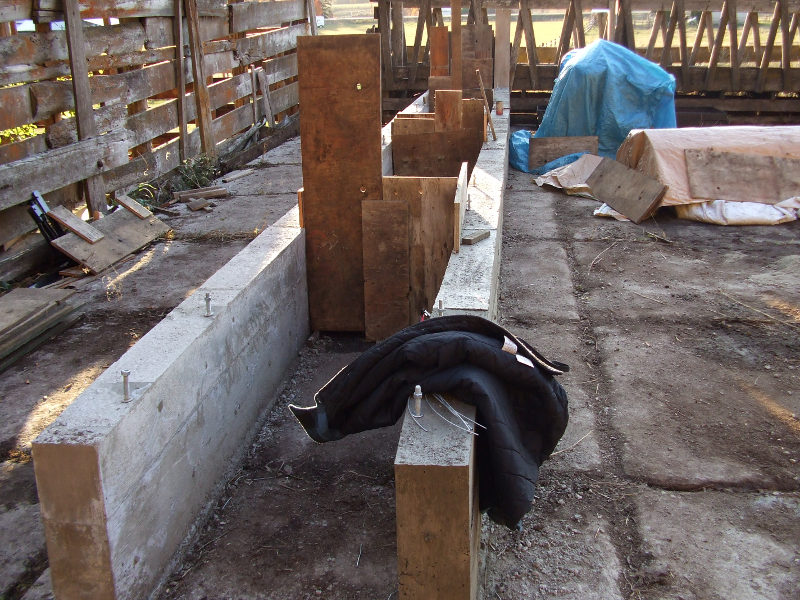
(31, 316)
(610, 103)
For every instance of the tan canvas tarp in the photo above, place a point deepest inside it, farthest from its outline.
(660, 152)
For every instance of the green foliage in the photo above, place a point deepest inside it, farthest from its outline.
(17, 134)
(146, 194)
(196, 172)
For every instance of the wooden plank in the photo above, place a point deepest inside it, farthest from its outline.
(180, 77)
(335, 112)
(627, 191)
(502, 52)
(406, 126)
(266, 107)
(269, 44)
(542, 150)
(124, 233)
(460, 205)
(245, 16)
(455, 44)
(437, 154)
(398, 34)
(75, 224)
(98, 9)
(438, 518)
(132, 205)
(741, 177)
(474, 237)
(447, 115)
(440, 51)
(385, 231)
(84, 114)
(45, 172)
(21, 304)
(424, 10)
(198, 70)
(431, 225)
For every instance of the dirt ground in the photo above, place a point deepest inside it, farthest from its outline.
(677, 478)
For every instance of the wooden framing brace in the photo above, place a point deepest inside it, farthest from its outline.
(731, 55)
(108, 74)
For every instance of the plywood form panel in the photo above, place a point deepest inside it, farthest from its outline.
(340, 129)
(386, 265)
(430, 226)
(627, 191)
(542, 150)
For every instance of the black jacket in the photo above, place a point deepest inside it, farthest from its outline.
(523, 407)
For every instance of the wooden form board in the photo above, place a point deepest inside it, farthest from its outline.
(385, 228)
(20, 305)
(542, 150)
(340, 130)
(75, 224)
(742, 177)
(460, 205)
(418, 151)
(438, 521)
(124, 233)
(627, 191)
(440, 51)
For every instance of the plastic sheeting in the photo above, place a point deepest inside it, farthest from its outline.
(606, 90)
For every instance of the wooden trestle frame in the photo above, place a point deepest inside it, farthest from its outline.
(727, 53)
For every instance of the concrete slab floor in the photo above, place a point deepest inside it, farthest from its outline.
(122, 304)
(662, 487)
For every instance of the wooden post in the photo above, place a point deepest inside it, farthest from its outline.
(398, 35)
(438, 522)
(502, 50)
(180, 77)
(312, 16)
(455, 51)
(199, 73)
(84, 114)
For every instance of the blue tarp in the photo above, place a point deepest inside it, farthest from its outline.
(605, 90)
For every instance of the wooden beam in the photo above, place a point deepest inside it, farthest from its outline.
(455, 41)
(180, 77)
(398, 35)
(502, 48)
(200, 86)
(84, 114)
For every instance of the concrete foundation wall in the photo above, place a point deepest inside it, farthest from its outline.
(199, 385)
(471, 282)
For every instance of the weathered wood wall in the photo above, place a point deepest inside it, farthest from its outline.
(135, 74)
(726, 52)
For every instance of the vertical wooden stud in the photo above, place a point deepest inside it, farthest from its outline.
(84, 113)
(180, 78)
(502, 50)
(199, 72)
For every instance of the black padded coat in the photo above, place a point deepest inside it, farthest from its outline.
(517, 397)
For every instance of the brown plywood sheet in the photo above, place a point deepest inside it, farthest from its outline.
(627, 191)
(124, 233)
(741, 177)
(386, 263)
(542, 150)
(431, 225)
(340, 130)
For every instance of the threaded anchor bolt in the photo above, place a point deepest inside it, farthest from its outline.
(126, 390)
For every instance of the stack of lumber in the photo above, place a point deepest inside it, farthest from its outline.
(31, 316)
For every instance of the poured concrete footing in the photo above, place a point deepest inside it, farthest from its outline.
(120, 483)
(471, 281)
